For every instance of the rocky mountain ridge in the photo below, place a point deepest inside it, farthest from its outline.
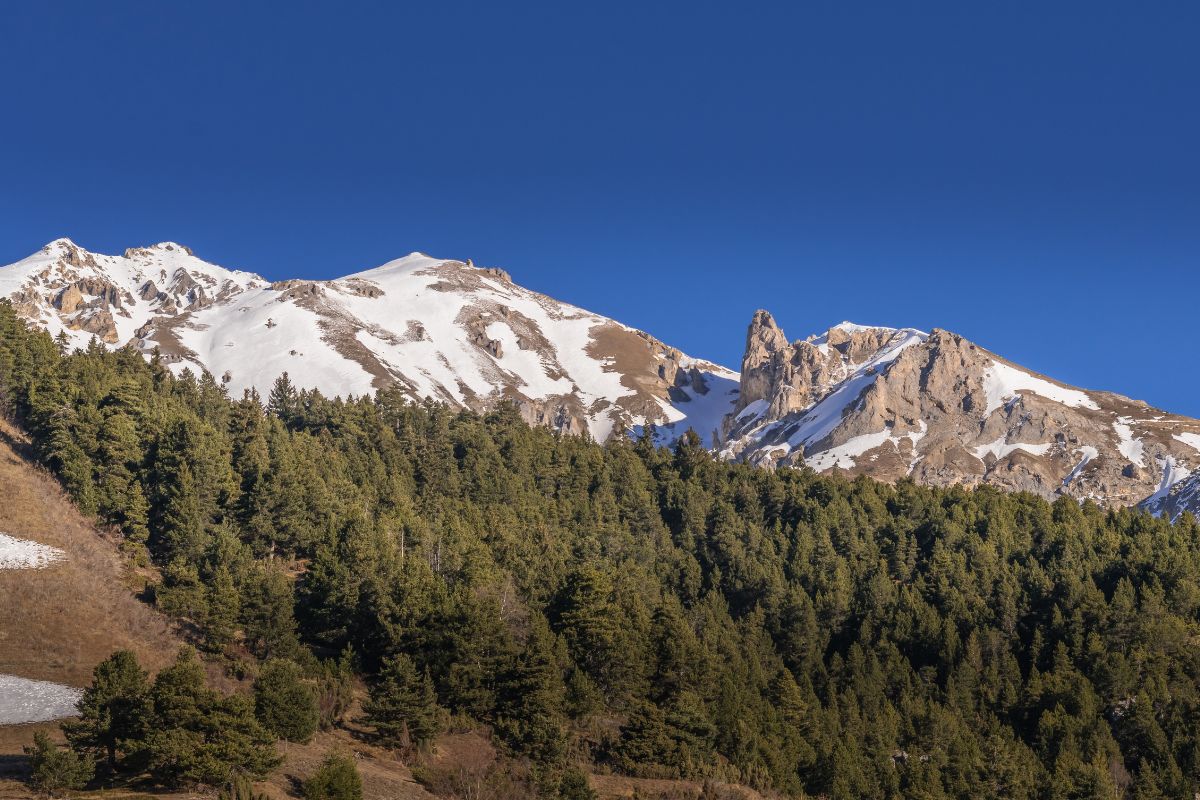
(434, 328)
(888, 403)
(937, 408)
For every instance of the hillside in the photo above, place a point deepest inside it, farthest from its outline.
(62, 620)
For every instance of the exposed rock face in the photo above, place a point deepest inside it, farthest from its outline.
(428, 328)
(942, 410)
(789, 377)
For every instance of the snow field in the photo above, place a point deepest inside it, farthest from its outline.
(23, 701)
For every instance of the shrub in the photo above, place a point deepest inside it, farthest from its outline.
(336, 779)
(54, 770)
(283, 703)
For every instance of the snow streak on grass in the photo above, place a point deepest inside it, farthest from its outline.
(23, 554)
(23, 700)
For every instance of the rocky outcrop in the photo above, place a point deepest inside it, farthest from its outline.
(790, 376)
(98, 322)
(942, 410)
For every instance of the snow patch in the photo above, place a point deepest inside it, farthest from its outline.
(1129, 447)
(705, 412)
(1002, 382)
(23, 700)
(1089, 454)
(851, 327)
(1172, 473)
(23, 554)
(754, 409)
(843, 455)
(1000, 448)
(1192, 440)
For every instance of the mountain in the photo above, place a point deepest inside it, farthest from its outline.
(883, 402)
(891, 403)
(433, 328)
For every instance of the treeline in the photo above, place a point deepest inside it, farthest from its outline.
(652, 612)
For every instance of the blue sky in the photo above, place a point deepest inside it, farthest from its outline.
(1026, 174)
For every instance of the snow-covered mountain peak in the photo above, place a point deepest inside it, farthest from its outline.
(435, 328)
(847, 326)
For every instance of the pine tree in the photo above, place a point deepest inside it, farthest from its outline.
(114, 714)
(531, 698)
(201, 736)
(574, 785)
(221, 611)
(182, 527)
(282, 402)
(402, 705)
(268, 619)
(284, 703)
(589, 623)
(53, 770)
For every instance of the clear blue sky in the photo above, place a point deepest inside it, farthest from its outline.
(1024, 173)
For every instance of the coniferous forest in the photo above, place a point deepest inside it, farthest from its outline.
(614, 606)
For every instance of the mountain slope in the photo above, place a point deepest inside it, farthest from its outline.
(892, 403)
(445, 330)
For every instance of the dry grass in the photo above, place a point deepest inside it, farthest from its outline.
(614, 787)
(58, 623)
(384, 775)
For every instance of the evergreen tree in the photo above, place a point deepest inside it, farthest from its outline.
(54, 771)
(284, 703)
(200, 736)
(532, 698)
(268, 619)
(574, 786)
(221, 610)
(402, 705)
(114, 714)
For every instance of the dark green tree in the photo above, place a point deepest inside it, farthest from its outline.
(114, 714)
(284, 703)
(402, 705)
(200, 736)
(54, 771)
